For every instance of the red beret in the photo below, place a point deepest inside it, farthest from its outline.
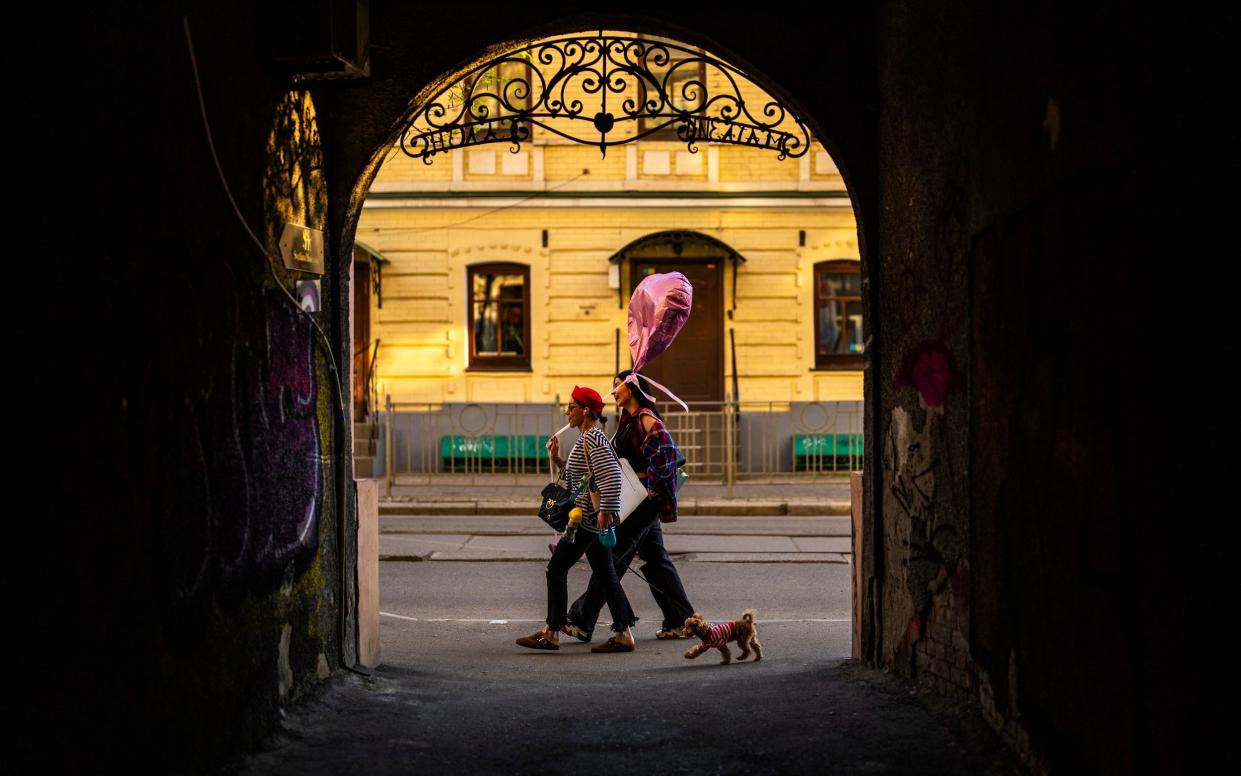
(588, 397)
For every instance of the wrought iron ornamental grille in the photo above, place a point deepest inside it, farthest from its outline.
(589, 89)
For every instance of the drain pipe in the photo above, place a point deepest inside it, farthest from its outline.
(732, 337)
(736, 414)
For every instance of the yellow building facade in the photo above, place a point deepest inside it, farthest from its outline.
(508, 271)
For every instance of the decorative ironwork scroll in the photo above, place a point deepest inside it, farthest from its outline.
(602, 90)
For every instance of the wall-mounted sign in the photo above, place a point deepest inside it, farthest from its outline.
(604, 90)
(302, 248)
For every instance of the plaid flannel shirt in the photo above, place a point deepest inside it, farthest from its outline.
(660, 454)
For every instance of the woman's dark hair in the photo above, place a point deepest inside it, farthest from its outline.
(644, 398)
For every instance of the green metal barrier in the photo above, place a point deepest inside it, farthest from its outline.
(498, 453)
(827, 452)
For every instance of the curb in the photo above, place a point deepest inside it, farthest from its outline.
(722, 508)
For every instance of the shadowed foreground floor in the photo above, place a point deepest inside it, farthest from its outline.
(480, 706)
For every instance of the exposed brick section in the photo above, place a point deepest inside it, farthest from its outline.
(942, 664)
(1008, 723)
(941, 656)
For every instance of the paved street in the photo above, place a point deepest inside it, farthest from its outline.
(455, 694)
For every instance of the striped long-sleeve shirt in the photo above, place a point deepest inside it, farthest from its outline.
(606, 471)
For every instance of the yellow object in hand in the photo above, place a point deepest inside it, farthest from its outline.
(575, 515)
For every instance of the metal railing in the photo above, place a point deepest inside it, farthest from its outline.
(756, 441)
(426, 439)
(723, 442)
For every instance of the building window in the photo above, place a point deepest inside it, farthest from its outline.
(499, 305)
(681, 73)
(839, 336)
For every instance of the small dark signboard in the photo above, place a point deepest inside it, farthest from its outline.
(301, 248)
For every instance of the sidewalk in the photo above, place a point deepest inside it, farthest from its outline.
(505, 494)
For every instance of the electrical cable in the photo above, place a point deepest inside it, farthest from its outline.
(327, 343)
(535, 195)
(271, 262)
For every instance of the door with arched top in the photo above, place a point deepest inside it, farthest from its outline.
(693, 368)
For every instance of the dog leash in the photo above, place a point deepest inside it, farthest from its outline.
(639, 575)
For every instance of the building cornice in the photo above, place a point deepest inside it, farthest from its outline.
(607, 199)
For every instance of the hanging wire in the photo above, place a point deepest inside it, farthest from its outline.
(271, 262)
(327, 343)
(522, 201)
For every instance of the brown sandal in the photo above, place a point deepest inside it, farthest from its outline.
(612, 645)
(672, 633)
(537, 641)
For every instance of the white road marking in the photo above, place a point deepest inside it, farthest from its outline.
(806, 619)
(486, 620)
(508, 621)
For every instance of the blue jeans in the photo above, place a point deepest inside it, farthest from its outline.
(639, 534)
(600, 560)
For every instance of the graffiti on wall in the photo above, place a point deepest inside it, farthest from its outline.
(912, 452)
(932, 371)
(916, 462)
(231, 442)
(226, 422)
(286, 469)
(910, 461)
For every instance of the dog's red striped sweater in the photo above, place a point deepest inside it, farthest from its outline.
(718, 635)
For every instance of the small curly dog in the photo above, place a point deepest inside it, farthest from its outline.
(717, 636)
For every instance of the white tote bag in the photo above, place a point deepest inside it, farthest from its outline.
(633, 492)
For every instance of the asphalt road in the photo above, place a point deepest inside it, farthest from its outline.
(437, 614)
(457, 592)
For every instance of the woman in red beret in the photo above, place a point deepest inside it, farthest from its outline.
(642, 439)
(591, 454)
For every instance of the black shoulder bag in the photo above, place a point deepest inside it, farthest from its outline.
(557, 499)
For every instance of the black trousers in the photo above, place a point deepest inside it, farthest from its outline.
(600, 560)
(638, 534)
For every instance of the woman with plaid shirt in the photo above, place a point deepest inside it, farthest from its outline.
(644, 441)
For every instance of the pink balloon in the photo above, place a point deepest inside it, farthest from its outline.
(659, 307)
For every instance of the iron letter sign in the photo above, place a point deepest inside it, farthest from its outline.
(586, 88)
(301, 248)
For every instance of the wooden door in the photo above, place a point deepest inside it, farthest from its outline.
(693, 368)
(361, 337)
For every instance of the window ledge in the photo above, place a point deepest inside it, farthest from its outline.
(850, 367)
(498, 368)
